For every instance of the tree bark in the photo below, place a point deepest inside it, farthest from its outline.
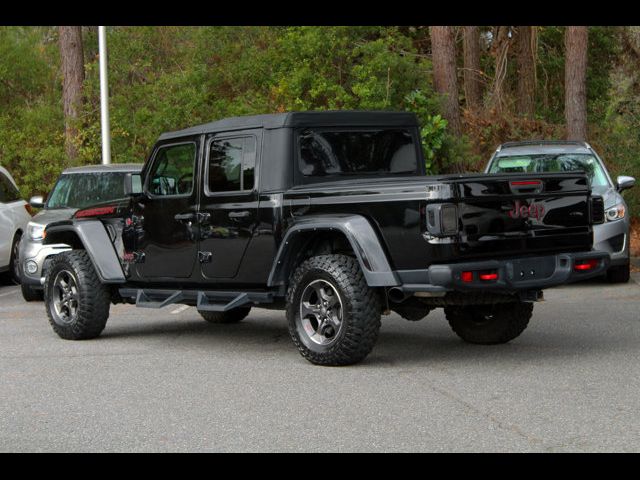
(472, 77)
(72, 61)
(526, 100)
(500, 51)
(444, 75)
(575, 82)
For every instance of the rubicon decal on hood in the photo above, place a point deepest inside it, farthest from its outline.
(533, 210)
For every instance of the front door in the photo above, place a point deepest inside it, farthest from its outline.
(229, 202)
(168, 212)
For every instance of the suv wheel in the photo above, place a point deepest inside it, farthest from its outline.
(333, 315)
(14, 265)
(30, 294)
(619, 273)
(77, 303)
(489, 324)
(232, 316)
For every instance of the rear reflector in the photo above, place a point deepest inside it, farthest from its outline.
(488, 276)
(582, 265)
(467, 277)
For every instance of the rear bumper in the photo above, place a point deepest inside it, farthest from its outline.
(513, 275)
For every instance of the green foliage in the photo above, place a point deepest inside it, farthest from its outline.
(167, 78)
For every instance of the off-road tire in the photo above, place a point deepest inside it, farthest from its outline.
(30, 294)
(489, 324)
(619, 273)
(94, 298)
(360, 310)
(14, 269)
(232, 316)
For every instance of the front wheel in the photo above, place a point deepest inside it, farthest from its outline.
(14, 266)
(30, 294)
(619, 273)
(489, 324)
(77, 302)
(333, 315)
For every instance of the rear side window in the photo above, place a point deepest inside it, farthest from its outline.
(8, 191)
(324, 152)
(232, 163)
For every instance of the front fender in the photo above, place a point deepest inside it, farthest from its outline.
(95, 240)
(360, 234)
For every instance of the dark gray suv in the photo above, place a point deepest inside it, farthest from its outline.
(76, 188)
(612, 236)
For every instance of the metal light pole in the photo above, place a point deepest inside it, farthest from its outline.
(104, 98)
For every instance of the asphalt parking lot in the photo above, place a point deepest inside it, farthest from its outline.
(165, 380)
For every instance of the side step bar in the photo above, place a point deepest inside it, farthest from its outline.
(212, 301)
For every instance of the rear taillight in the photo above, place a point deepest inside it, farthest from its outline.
(29, 209)
(597, 210)
(442, 219)
(583, 265)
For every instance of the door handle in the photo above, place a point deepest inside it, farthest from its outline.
(183, 217)
(242, 214)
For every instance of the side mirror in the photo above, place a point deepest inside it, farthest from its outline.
(37, 201)
(625, 182)
(132, 184)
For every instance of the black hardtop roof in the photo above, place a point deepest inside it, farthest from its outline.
(329, 118)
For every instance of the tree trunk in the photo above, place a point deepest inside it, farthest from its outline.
(500, 51)
(575, 82)
(444, 75)
(472, 77)
(72, 60)
(525, 102)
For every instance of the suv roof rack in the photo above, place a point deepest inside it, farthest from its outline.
(543, 142)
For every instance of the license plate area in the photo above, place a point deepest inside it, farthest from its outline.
(532, 269)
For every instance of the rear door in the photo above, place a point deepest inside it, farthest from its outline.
(229, 201)
(507, 214)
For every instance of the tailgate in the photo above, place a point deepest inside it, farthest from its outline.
(524, 214)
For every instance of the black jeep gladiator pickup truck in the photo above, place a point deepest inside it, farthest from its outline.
(329, 215)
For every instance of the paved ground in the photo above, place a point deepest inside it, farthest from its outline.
(168, 381)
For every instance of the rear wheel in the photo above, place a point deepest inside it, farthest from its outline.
(232, 316)
(619, 273)
(489, 324)
(77, 302)
(333, 315)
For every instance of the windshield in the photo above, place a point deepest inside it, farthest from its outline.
(81, 190)
(563, 162)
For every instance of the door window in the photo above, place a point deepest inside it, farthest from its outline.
(172, 171)
(232, 164)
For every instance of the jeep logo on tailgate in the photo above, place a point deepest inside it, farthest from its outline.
(533, 210)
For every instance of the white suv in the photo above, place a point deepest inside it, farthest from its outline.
(14, 216)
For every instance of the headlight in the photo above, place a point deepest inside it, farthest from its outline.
(615, 213)
(35, 231)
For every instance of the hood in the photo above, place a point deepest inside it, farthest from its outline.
(45, 217)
